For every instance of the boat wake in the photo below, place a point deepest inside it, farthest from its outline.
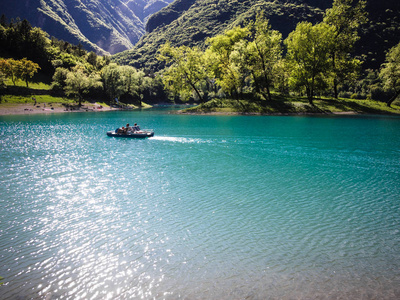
(179, 139)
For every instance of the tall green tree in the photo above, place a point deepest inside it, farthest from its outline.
(186, 71)
(220, 53)
(265, 52)
(113, 81)
(345, 16)
(134, 82)
(59, 78)
(390, 73)
(78, 83)
(308, 48)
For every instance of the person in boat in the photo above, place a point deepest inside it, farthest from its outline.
(128, 129)
(136, 128)
(121, 130)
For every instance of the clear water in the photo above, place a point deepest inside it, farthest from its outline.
(212, 207)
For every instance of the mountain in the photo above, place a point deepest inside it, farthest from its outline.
(190, 22)
(104, 26)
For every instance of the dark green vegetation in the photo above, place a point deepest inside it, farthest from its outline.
(102, 26)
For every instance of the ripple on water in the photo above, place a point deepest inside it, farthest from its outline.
(201, 215)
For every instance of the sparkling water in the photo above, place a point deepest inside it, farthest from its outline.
(211, 207)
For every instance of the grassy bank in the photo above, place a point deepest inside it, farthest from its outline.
(289, 105)
(37, 98)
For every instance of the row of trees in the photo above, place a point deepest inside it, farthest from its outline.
(113, 82)
(251, 58)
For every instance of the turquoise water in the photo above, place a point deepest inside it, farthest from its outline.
(212, 207)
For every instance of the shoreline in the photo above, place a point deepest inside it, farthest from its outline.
(10, 109)
(30, 109)
(216, 113)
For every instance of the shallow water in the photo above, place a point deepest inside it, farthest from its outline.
(212, 207)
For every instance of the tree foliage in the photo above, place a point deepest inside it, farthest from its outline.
(223, 52)
(250, 59)
(112, 78)
(186, 72)
(265, 51)
(18, 69)
(345, 16)
(308, 55)
(78, 83)
(27, 69)
(8, 67)
(125, 82)
(390, 72)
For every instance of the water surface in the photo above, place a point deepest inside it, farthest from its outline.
(212, 207)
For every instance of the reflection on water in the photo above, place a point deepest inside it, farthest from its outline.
(209, 208)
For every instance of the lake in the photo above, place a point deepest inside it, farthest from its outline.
(211, 207)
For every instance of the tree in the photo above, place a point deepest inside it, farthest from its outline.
(390, 73)
(308, 49)
(186, 72)
(222, 64)
(59, 78)
(113, 81)
(79, 83)
(265, 52)
(133, 82)
(27, 69)
(345, 16)
(92, 58)
(9, 67)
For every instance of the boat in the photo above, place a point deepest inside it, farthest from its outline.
(137, 134)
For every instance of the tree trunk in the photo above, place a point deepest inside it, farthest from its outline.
(310, 95)
(335, 81)
(310, 98)
(80, 98)
(335, 88)
(256, 85)
(197, 92)
(389, 103)
(269, 94)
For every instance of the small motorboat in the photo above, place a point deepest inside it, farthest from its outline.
(137, 134)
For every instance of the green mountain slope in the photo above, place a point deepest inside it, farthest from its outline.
(190, 22)
(105, 26)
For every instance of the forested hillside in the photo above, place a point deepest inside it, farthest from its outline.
(103, 26)
(64, 70)
(190, 22)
